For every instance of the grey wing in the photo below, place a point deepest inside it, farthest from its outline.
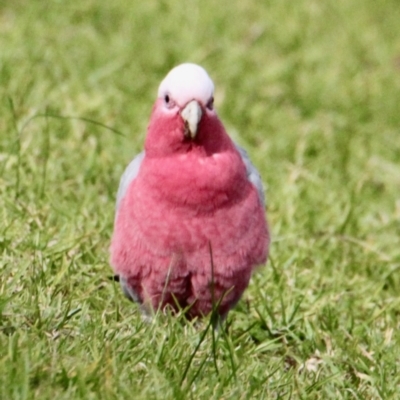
(252, 174)
(128, 176)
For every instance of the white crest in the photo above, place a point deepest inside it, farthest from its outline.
(187, 82)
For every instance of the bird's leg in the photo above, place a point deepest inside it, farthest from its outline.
(147, 315)
(128, 291)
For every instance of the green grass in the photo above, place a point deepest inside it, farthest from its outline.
(311, 89)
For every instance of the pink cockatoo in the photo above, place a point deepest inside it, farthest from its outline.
(190, 222)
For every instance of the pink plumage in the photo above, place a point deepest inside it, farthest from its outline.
(190, 223)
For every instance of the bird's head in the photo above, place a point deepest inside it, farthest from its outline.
(183, 115)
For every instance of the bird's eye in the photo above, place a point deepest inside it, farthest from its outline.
(210, 104)
(168, 101)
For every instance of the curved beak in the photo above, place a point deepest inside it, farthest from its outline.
(191, 115)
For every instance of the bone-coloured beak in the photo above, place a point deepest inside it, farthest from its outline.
(191, 114)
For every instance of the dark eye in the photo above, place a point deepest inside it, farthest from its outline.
(210, 104)
(169, 101)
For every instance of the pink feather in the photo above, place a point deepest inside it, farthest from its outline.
(189, 195)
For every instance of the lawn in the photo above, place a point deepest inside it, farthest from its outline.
(311, 89)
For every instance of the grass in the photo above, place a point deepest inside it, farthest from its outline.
(311, 89)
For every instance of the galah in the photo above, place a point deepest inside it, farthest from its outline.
(190, 223)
